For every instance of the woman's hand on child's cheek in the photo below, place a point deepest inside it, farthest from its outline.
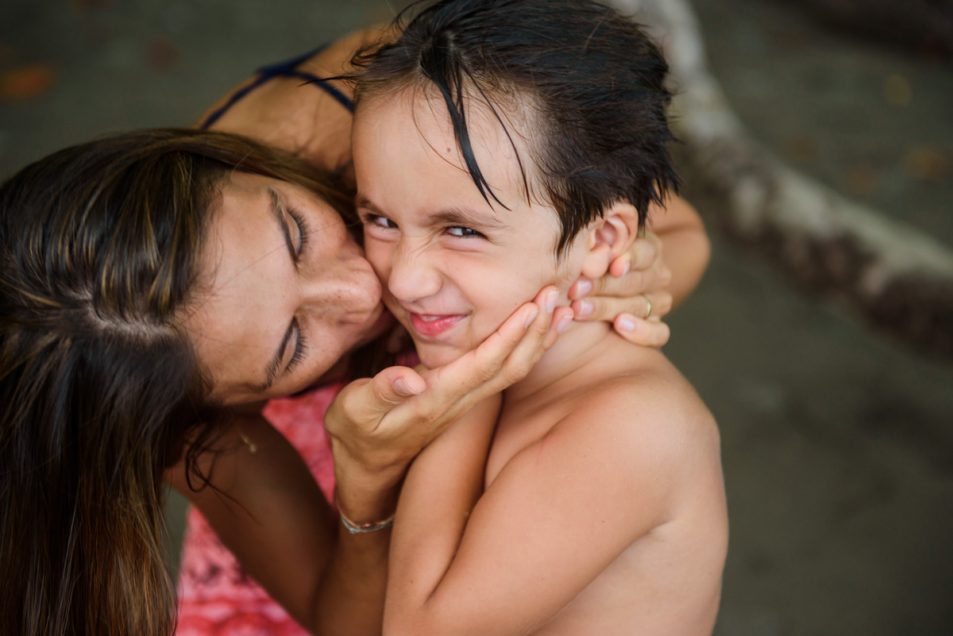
(633, 295)
(377, 425)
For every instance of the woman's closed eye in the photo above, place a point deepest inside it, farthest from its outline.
(303, 231)
(300, 350)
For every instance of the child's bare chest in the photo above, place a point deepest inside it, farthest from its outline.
(605, 605)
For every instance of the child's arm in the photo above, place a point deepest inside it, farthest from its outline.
(555, 517)
(441, 487)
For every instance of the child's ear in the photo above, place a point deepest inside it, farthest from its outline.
(609, 237)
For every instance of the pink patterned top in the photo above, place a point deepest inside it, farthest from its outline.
(216, 597)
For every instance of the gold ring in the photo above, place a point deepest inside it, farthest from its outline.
(648, 308)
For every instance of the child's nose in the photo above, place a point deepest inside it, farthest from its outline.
(413, 275)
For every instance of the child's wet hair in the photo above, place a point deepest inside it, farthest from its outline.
(591, 79)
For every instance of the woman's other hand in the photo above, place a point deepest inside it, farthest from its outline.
(378, 425)
(633, 294)
(639, 288)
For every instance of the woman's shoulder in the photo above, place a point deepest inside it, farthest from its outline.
(335, 59)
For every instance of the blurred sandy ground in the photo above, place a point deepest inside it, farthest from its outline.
(838, 443)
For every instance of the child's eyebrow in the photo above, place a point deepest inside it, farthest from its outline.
(465, 216)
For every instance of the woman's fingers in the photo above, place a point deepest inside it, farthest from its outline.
(639, 270)
(505, 357)
(389, 418)
(367, 400)
(380, 424)
(541, 335)
(657, 277)
(645, 252)
(606, 308)
(647, 333)
(634, 297)
(395, 384)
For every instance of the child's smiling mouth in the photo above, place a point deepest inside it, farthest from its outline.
(434, 325)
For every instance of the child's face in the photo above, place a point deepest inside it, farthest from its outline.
(453, 267)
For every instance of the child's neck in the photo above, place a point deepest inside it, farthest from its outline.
(579, 347)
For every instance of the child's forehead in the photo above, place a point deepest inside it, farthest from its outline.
(417, 146)
(496, 133)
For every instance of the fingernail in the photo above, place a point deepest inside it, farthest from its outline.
(400, 387)
(530, 316)
(583, 287)
(551, 299)
(626, 266)
(626, 323)
(585, 308)
(564, 322)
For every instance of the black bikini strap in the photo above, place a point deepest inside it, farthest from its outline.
(287, 68)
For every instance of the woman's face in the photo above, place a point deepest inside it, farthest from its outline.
(284, 291)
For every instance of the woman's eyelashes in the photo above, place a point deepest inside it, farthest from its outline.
(301, 349)
(304, 232)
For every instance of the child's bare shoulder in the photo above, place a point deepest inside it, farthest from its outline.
(646, 416)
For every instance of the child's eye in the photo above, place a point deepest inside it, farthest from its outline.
(460, 231)
(379, 221)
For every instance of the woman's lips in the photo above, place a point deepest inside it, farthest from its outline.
(433, 325)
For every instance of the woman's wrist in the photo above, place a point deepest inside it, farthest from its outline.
(365, 494)
(368, 527)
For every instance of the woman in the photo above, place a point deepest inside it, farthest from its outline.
(109, 368)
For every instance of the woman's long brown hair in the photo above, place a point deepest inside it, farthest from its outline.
(99, 384)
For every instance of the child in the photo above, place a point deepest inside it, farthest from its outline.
(501, 146)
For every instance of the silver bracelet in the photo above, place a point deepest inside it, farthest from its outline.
(365, 528)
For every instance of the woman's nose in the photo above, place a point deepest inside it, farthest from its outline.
(343, 286)
(412, 275)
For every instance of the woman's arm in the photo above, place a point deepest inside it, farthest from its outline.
(266, 507)
(685, 248)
